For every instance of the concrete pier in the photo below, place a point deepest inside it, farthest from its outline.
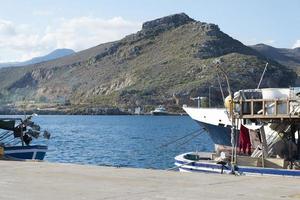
(42, 181)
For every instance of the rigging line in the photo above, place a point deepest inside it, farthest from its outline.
(2, 139)
(220, 85)
(226, 78)
(4, 134)
(176, 140)
(11, 140)
(193, 134)
(188, 140)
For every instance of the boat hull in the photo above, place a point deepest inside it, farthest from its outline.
(220, 135)
(159, 113)
(215, 121)
(205, 166)
(35, 152)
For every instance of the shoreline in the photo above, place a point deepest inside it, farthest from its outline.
(102, 112)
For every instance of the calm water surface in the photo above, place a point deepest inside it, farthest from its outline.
(131, 141)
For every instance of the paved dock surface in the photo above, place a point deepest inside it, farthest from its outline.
(42, 181)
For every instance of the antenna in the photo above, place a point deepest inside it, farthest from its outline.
(262, 76)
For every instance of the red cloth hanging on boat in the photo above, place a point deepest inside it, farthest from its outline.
(244, 140)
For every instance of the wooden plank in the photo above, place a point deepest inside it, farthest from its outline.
(264, 108)
(288, 107)
(241, 108)
(251, 107)
(276, 107)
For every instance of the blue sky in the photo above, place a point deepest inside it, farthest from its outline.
(31, 28)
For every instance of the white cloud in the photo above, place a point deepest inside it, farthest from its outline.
(249, 41)
(22, 41)
(29, 55)
(83, 32)
(6, 28)
(269, 42)
(42, 12)
(253, 40)
(297, 44)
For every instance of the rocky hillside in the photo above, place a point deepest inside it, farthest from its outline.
(168, 61)
(287, 57)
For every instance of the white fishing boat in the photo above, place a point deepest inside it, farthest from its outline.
(268, 118)
(160, 110)
(256, 133)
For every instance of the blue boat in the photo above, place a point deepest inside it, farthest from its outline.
(204, 162)
(16, 138)
(35, 152)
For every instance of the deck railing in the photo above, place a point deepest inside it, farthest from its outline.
(267, 109)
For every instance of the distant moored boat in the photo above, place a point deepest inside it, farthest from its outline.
(161, 110)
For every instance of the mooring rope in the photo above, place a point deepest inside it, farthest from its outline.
(188, 140)
(178, 139)
(193, 134)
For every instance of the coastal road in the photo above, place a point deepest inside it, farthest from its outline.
(43, 181)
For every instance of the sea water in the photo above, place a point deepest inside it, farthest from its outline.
(125, 141)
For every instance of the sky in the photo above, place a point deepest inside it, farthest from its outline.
(30, 28)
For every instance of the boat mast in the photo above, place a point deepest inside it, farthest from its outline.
(226, 78)
(262, 76)
(233, 119)
(219, 82)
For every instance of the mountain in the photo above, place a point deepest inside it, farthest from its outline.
(287, 57)
(58, 53)
(168, 61)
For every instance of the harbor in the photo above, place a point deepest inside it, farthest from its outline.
(169, 101)
(43, 180)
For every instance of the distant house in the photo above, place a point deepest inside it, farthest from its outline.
(137, 111)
